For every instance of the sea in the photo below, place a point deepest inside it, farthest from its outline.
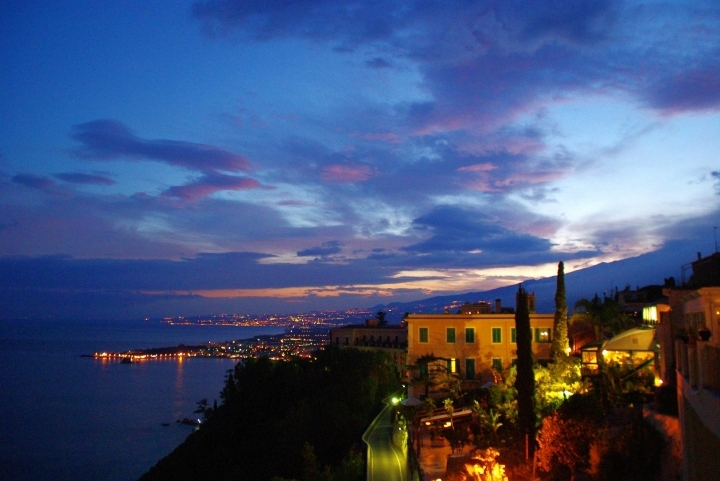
(67, 417)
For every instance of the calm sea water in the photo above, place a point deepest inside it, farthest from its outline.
(65, 417)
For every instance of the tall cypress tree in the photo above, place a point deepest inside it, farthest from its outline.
(560, 343)
(525, 380)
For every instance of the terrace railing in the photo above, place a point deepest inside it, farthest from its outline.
(699, 364)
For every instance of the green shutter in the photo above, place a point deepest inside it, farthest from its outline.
(423, 334)
(513, 335)
(470, 369)
(469, 335)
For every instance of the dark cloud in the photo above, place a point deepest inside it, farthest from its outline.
(692, 90)
(34, 181)
(209, 184)
(326, 249)
(81, 178)
(378, 63)
(456, 229)
(351, 23)
(577, 21)
(110, 139)
(236, 270)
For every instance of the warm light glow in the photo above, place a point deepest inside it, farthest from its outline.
(604, 353)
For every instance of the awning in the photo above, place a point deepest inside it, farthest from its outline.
(636, 339)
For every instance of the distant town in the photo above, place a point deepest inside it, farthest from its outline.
(304, 334)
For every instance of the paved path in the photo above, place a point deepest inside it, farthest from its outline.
(386, 462)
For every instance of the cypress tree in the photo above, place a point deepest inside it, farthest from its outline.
(525, 380)
(560, 343)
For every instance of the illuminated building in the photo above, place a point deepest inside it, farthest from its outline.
(474, 347)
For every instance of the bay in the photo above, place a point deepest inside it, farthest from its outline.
(66, 417)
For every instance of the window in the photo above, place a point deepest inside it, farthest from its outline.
(469, 335)
(513, 335)
(543, 335)
(450, 335)
(452, 365)
(470, 369)
(497, 364)
(423, 334)
(497, 335)
(513, 361)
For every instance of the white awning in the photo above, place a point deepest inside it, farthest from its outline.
(636, 339)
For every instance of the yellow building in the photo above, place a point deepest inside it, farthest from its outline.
(471, 344)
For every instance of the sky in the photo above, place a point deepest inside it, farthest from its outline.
(190, 157)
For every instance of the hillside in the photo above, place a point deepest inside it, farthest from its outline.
(635, 272)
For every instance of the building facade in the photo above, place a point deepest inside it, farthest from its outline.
(472, 346)
(698, 385)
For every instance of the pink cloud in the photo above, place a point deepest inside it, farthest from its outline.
(208, 185)
(346, 174)
(484, 167)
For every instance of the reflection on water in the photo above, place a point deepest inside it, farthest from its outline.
(74, 418)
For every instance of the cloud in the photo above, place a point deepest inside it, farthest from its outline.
(576, 21)
(692, 90)
(211, 183)
(110, 139)
(326, 249)
(34, 181)
(378, 63)
(346, 174)
(352, 23)
(456, 229)
(81, 178)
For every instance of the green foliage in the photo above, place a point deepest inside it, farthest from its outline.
(557, 382)
(560, 343)
(606, 316)
(525, 381)
(273, 411)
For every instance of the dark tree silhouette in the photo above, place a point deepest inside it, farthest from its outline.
(525, 380)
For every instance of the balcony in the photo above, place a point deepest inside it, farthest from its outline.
(699, 365)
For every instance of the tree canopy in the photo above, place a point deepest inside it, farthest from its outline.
(274, 413)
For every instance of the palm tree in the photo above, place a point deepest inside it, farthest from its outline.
(606, 315)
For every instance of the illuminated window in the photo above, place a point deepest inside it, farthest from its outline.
(497, 335)
(423, 334)
(452, 365)
(470, 369)
(543, 335)
(513, 335)
(589, 357)
(450, 335)
(469, 335)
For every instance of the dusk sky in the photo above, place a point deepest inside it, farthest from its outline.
(186, 157)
